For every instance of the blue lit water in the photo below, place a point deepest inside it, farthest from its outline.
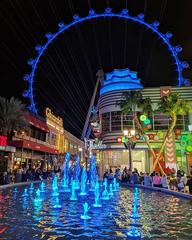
(162, 216)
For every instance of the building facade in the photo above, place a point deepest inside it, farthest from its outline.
(44, 144)
(114, 122)
(32, 148)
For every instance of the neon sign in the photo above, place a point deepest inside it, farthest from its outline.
(3, 141)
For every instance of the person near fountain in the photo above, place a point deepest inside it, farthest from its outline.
(106, 175)
(164, 182)
(189, 183)
(19, 175)
(29, 175)
(172, 182)
(147, 180)
(125, 175)
(118, 174)
(156, 180)
(135, 178)
(110, 176)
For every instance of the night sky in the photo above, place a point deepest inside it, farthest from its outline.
(66, 74)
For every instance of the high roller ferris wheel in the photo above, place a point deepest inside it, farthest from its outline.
(124, 14)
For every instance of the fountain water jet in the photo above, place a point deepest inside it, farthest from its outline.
(38, 196)
(92, 172)
(42, 187)
(55, 183)
(105, 194)
(73, 194)
(31, 187)
(134, 233)
(111, 189)
(83, 182)
(57, 205)
(114, 184)
(25, 194)
(85, 208)
(96, 192)
(77, 171)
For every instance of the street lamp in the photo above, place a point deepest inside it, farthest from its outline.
(129, 144)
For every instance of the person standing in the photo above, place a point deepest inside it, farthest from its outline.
(164, 181)
(156, 180)
(147, 180)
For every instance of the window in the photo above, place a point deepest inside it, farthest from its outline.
(182, 122)
(161, 121)
(105, 122)
(116, 121)
(127, 121)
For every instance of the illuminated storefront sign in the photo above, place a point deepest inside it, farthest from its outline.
(53, 118)
(3, 141)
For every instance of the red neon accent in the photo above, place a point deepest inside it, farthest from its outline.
(35, 121)
(3, 230)
(3, 141)
(119, 140)
(33, 145)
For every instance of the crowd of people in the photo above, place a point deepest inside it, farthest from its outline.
(173, 181)
(23, 174)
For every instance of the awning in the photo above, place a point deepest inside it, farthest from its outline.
(35, 121)
(33, 146)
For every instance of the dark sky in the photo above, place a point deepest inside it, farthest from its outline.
(65, 77)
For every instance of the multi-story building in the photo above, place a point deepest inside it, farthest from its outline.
(63, 140)
(113, 122)
(32, 148)
(6, 155)
(45, 144)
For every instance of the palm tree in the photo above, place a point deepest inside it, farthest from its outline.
(171, 105)
(132, 101)
(12, 116)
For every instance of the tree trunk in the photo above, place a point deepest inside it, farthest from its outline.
(139, 127)
(174, 120)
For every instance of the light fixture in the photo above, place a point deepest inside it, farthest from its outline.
(132, 131)
(125, 132)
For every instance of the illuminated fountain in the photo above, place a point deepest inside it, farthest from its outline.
(55, 192)
(114, 184)
(85, 208)
(55, 183)
(111, 189)
(31, 188)
(105, 194)
(135, 214)
(77, 171)
(15, 190)
(83, 182)
(96, 192)
(73, 194)
(25, 194)
(65, 179)
(134, 233)
(38, 196)
(57, 205)
(42, 187)
(92, 172)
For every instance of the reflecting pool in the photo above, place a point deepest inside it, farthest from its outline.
(162, 216)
